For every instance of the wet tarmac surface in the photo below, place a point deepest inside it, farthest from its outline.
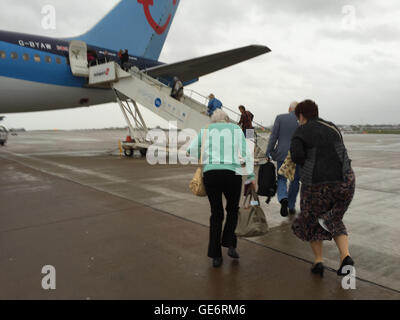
(113, 225)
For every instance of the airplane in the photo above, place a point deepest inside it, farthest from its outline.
(35, 71)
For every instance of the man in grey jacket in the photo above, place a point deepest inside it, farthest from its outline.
(278, 149)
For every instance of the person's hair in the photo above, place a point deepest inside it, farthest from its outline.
(293, 106)
(242, 107)
(211, 96)
(219, 116)
(308, 108)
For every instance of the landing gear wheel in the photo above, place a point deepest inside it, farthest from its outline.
(128, 152)
(143, 152)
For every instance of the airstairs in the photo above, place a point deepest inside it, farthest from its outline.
(136, 88)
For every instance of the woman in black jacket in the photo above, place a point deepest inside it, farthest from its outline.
(328, 184)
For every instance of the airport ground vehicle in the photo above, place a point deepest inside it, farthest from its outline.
(3, 136)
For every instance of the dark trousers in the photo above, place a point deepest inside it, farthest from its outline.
(218, 183)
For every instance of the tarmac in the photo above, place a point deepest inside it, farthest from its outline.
(118, 228)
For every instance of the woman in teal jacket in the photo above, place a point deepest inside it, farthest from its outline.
(223, 144)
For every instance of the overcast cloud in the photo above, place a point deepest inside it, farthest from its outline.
(350, 67)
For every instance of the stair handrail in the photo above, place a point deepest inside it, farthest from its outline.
(206, 100)
(191, 95)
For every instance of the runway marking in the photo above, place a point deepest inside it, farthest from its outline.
(108, 178)
(180, 176)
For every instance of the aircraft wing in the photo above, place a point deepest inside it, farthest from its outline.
(197, 67)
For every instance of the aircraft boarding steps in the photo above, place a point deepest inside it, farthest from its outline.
(155, 96)
(135, 87)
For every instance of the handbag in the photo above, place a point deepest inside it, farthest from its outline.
(251, 218)
(288, 168)
(197, 186)
(267, 184)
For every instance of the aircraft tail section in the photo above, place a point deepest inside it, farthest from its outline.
(141, 26)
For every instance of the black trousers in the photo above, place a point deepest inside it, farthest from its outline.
(218, 183)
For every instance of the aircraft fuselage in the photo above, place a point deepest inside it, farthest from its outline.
(35, 75)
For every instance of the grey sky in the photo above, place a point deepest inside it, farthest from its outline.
(350, 67)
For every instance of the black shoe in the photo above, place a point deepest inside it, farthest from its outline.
(292, 212)
(217, 262)
(233, 253)
(318, 268)
(284, 207)
(348, 261)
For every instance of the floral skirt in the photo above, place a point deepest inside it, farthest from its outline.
(328, 202)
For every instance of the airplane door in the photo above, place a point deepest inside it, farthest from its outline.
(78, 58)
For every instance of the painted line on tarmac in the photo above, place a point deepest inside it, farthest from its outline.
(87, 172)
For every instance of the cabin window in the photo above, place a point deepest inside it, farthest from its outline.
(25, 56)
(2, 54)
(47, 59)
(58, 60)
(36, 58)
(14, 55)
